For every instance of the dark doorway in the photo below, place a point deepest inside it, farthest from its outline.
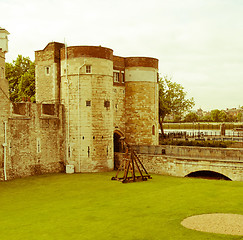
(118, 139)
(208, 175)
(117, 142)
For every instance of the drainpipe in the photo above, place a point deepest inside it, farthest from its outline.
(68, 113)
(5, 151)
(79, 127)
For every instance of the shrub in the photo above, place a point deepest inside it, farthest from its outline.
(196, 143)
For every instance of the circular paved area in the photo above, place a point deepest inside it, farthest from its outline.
(223, 223)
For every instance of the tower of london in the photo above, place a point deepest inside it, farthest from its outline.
(105, 97)
(88, 102)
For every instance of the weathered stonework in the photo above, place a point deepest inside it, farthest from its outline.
(4, 100)
(32, 136)
(181, 161)
(35, 141)
(48, 73)
(88, 100)
(102, 95)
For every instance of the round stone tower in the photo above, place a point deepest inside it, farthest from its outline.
(141, 100)
(86, 92)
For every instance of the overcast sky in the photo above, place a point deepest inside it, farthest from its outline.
(199, 43)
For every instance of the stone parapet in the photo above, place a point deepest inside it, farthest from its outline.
(141, 62)
(181, 161)
(87, 51)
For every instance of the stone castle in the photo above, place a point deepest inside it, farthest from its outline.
(87, 100)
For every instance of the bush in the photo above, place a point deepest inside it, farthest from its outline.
(196, 143)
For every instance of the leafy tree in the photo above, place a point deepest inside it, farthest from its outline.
(219, 116)
(223, 116)
(172, 99)
(21, 76)
(215, 117)
(177, 118)
(191, 117)
(240, 117)
(206, 118)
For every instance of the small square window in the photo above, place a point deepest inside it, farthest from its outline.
(106, 103)
(88, 69)
(48, 109)
(88, 103)
(116, 77)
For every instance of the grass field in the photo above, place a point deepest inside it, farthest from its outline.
(91, 206)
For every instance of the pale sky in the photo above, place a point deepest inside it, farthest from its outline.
(199, 43)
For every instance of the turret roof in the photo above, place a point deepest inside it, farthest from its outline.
(4, 30)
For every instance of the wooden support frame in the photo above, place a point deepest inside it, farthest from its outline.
(130, 165)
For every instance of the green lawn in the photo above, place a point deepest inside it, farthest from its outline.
(91, 206)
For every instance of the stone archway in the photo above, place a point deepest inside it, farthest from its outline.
(117, 141)
(208, 175)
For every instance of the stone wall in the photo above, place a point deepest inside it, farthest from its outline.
(35, 138)
(3, 81)
(119, 108)
(181, 161)
(193, 152)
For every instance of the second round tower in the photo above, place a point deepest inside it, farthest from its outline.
(141, 100)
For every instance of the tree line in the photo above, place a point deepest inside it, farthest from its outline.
(215, 115)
